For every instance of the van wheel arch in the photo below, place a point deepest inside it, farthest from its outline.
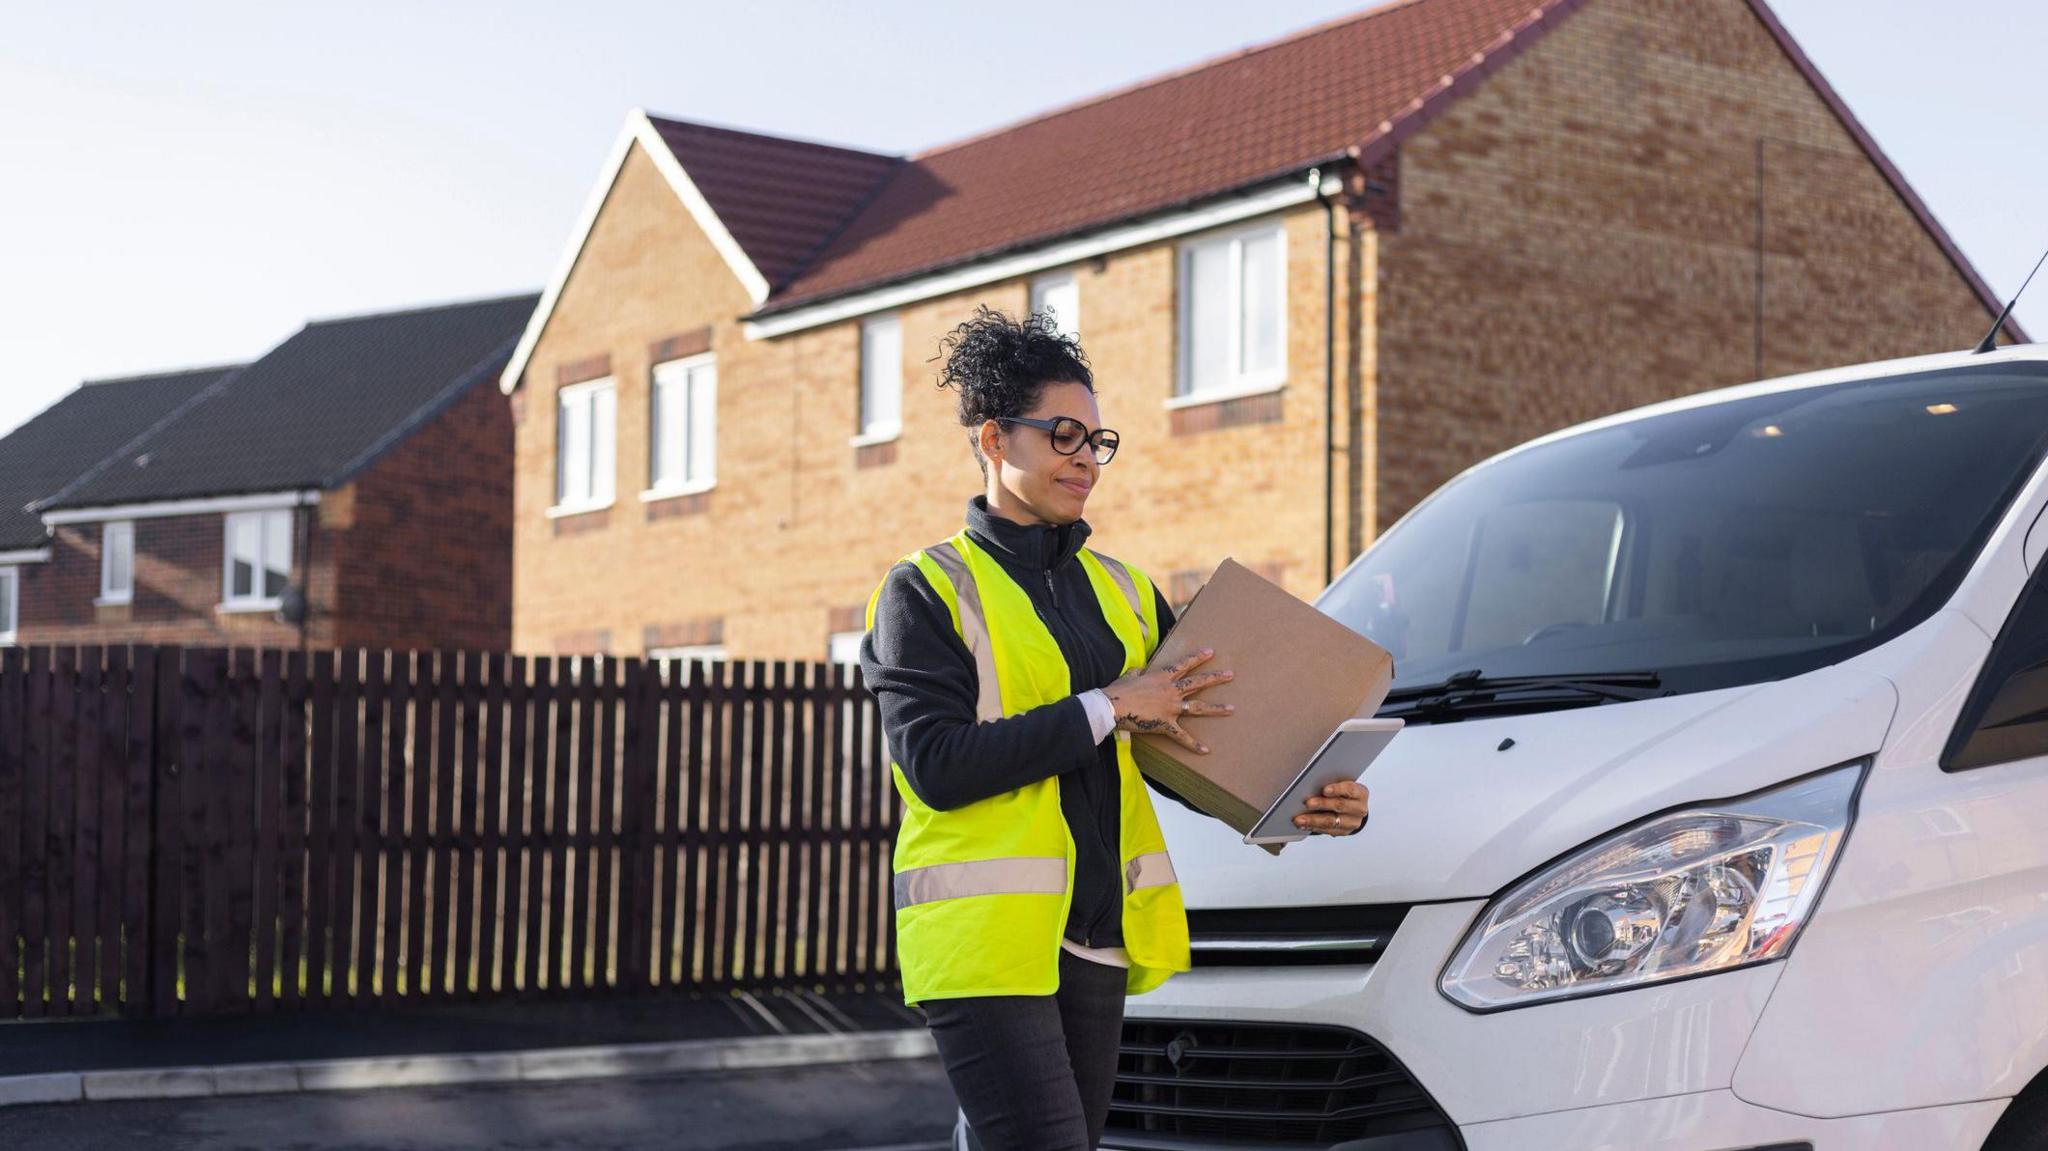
(2024, 1126)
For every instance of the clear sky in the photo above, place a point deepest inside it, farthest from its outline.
(186, 184)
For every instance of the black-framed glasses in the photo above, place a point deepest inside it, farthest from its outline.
(1068, 434)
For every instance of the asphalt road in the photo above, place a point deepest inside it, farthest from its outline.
(884, 1106)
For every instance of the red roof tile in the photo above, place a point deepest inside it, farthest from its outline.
(820, 221)
(781, 199)
(1250, 116)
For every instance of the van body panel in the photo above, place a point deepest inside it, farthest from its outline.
(1931, 942)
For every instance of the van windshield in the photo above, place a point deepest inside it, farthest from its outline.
(1738, 542)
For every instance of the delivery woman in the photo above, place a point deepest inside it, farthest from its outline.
(1032, 887)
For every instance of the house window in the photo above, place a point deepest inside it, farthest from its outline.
(688, 656)
(1059, 294)
(258, 563)
(1233, 322)
(685, 420)
(844, 646)
(585, 431)
(10, 602)
(881, 378)
(117, 561)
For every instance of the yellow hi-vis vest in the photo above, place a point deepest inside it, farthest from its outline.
(982, 891)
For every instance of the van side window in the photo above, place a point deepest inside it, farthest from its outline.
(2006, 716)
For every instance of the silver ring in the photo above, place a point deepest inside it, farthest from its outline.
(1183, 707)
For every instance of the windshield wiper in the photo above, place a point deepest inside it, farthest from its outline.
(1469, 693)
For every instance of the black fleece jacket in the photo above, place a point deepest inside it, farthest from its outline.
(923, 676)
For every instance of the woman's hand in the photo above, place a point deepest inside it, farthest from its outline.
(1339, 810)
(1157, 702)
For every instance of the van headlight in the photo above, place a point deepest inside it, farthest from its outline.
(1710, 888)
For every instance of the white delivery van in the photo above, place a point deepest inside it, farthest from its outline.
(1721, 817)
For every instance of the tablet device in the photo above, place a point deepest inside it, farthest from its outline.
(1345, 755)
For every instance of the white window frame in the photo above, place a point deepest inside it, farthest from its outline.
(688, 656)
(267, 524)
(110, 532)
(1069, 318)
(10, 623)
(683, 375)
(880, 430)
(1239, 382)
(602, 479)
(833, 641)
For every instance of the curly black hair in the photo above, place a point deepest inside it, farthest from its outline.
(1000, 366)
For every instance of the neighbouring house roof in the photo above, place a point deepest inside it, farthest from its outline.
(65, 439)
(803, 224)
(313, 411)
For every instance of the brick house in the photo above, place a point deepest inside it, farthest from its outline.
(1316, 278)
(54, 447)
(362, 467)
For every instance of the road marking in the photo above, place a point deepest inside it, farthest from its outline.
(747, 997)
(825, 1004)
(824, 1024)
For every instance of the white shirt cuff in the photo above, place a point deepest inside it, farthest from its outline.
(1101, 713)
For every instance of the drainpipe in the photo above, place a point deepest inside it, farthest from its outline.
(1315, 180)
(297, 607)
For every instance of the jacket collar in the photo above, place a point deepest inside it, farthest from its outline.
(1033, 547)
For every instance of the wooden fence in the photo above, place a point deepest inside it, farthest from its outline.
(199, 830)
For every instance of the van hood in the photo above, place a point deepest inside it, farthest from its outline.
(1457, 816)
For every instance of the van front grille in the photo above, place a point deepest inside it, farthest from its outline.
(1190, 1084)
(1292, 936)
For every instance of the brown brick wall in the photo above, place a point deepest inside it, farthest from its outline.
(1578, 237)
(800, 525)
(426, 543)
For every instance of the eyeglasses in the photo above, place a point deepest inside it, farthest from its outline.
(1068, 434)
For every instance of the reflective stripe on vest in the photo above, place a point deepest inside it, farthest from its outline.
(988, 703)
(1022, 875)
(1121, 576)
(1153, 869)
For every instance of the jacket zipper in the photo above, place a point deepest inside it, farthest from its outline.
(1088, 935)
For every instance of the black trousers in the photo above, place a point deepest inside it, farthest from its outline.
(1034, 1072)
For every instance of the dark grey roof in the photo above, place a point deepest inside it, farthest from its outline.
(314, 410)
(65, 439)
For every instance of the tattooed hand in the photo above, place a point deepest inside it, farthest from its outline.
(1155, 703)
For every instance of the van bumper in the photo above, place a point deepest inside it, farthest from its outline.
(1643, 1070)
(1718, 1121)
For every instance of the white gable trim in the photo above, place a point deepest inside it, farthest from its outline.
(638, 130)
(1210, 215)
(25, 556)
(261, 501)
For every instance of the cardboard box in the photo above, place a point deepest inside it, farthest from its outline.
(1299, 674)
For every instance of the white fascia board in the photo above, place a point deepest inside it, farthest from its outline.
(257, 502)
(685, 188)
(1211, 215)
(25, 556)
(638, 130)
